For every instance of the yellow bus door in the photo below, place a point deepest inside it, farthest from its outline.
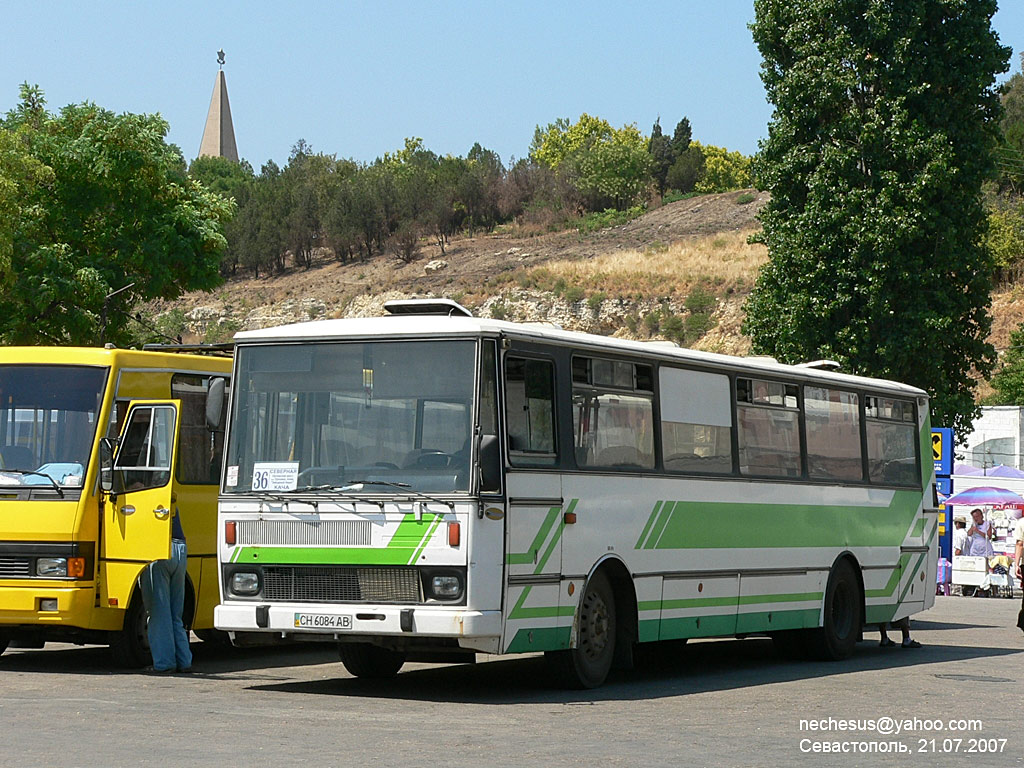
(138, 524)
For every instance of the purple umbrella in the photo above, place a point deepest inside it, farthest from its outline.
(983, 496)
(1002, 470)
(966, 469)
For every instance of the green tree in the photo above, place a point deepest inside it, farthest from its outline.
(681, 137)
(687, 170)
(723, 170)
(610, 167)
(662, 156)
(1008, 381)
(99, 201)
(885, 117)
(220, 175)
(232, 180)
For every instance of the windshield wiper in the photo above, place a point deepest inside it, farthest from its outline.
(358, 486)
(264, 496)
(332, 489)
(54, 483)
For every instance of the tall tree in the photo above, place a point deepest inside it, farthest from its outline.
(102, 202)
(662, 156)
(885, 117)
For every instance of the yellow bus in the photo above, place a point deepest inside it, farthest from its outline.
(70, 551)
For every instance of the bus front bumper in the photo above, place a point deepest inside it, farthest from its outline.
(46, 604)
(365, 620)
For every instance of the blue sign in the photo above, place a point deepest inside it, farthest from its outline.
(944, 485)
(942, 450)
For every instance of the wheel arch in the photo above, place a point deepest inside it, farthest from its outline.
(627, 630)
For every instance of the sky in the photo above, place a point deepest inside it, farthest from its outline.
(355, 79)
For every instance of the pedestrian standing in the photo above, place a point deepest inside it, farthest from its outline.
(163, 592)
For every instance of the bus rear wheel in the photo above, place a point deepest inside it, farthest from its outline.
(370, 661)
(587, 665)
(837, 637)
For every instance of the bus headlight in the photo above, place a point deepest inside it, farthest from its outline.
(52, 567)
(447, 586)
(245, 583)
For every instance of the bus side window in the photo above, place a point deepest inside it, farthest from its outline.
(200, 449)
(530, 411)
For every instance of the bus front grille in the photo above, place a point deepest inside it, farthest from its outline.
(15, 567)
(337, 584)
(293, 533)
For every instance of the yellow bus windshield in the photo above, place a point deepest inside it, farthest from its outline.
(48, 420)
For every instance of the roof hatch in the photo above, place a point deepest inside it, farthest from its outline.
(445, 307)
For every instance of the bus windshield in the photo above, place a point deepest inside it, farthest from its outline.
(48, 416)
(329, 414)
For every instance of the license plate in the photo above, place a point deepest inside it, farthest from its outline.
(322, 621)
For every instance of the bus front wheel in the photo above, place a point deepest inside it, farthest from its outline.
(370, 661)
(130, 646)
(587, 665)
(837, 637)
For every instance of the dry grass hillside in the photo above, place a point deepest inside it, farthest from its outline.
(635, 279)
(681, 272)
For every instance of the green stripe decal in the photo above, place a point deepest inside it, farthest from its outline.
(711, 525)
(647, 527)
(894, 580)
(407, 543)
(423, 544)
(709, 602)
(540, 639)
(668, 510)
(530, 556)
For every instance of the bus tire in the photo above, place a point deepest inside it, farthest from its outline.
(587, 665)
(129, 647)
(370, 661)
(837, 637)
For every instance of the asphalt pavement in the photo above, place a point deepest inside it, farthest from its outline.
(956, 701)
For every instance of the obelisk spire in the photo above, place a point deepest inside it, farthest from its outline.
(219, 134)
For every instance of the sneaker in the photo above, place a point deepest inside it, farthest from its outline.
(184, 670)
(910, 643)
(155, 671)
(886, 643)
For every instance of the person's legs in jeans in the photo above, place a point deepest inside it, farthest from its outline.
(182, 654)
(156, 588)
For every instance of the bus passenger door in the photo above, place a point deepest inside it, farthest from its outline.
(138, 510)
(534, 564)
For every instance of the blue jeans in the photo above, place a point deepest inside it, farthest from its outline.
(163, 592)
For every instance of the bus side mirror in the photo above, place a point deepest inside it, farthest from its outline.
(215, 403)
(107, 464)
(489, 455)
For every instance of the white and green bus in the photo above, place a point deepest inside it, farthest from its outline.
(429, 486)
